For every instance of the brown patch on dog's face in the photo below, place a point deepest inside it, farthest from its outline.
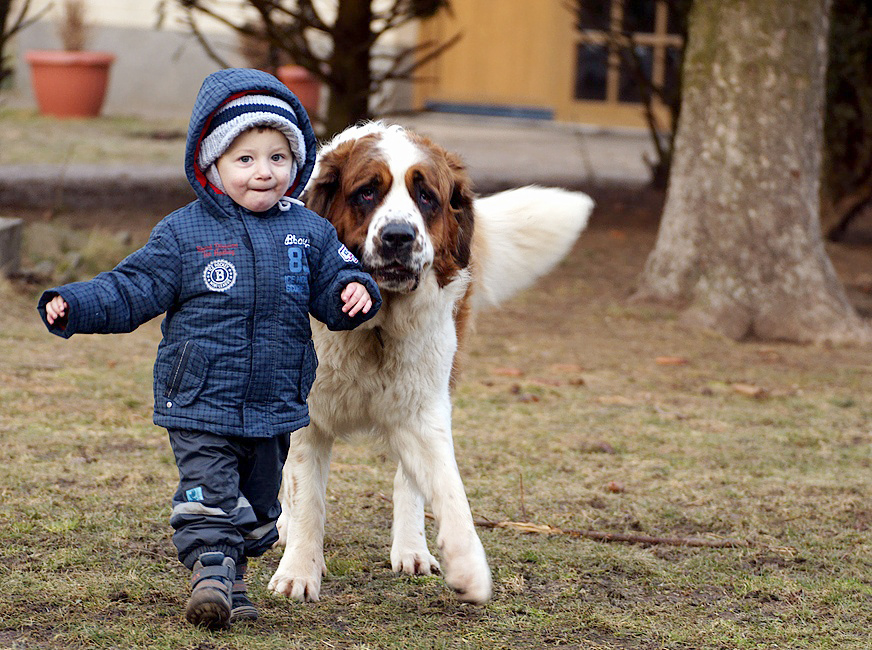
(441, 188)
(351, 184)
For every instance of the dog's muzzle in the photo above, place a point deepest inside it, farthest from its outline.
(397, 239)
(393, 264)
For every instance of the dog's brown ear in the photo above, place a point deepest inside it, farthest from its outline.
(321, 191)
(462, 198)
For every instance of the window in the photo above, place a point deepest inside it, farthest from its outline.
(590, 78)
(636, 65)
(640, 16)
(618, 41)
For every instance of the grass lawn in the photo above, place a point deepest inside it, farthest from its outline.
(29, 138)
(575, 410)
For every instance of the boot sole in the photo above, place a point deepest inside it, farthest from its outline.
(208, 610)
(243, 613)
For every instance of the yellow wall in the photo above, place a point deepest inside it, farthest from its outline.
(503, 55)
(512, 53)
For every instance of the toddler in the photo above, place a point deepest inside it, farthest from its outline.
(237, 272)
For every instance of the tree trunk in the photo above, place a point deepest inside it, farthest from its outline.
(350, 66)
(740, 242)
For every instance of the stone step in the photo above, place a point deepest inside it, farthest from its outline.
(10, 245)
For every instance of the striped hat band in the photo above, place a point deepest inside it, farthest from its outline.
(247, 112)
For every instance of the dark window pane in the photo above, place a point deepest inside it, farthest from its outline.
(671, 73)
(639, 15)
(678, 10)
(593, 14)
(635, 73)
(590, 71)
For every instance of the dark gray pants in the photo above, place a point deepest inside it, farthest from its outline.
(227, 499)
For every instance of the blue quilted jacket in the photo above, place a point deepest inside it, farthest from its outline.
(237, 288)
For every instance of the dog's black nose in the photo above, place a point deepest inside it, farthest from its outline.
(397, 238)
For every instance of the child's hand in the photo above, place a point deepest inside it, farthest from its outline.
(57, 310)
(356, 299)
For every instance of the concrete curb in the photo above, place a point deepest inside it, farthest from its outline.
(499, 153)
(51, 187)
(92, 186)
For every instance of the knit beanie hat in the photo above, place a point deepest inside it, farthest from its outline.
(244, 113)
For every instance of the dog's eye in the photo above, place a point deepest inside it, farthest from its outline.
(365, 195)
(426, 197)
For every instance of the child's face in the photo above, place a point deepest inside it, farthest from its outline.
(256, 169)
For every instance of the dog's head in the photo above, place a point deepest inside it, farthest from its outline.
(398, 201)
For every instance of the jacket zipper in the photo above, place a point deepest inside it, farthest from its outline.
(176, 376)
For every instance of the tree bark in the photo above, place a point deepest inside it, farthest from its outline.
(349, 64)
(740, 244)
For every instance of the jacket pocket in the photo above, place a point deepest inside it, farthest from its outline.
(187, 374)
(307, 371)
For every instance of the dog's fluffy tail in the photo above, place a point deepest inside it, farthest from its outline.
(522, 234)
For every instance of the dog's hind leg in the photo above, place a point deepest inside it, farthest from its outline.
(409, 552)
(427, 460)
(304, 510)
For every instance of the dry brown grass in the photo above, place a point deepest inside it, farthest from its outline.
(613, 418)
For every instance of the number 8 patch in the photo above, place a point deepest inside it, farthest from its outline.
(297, 262)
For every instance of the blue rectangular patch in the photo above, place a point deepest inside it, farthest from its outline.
(194, 494)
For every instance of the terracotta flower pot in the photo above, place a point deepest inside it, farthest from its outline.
(303, 84)
(69, 84)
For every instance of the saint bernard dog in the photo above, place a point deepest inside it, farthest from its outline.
(405, 208)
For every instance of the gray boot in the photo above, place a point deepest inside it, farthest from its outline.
(211, 583)
(242, 609)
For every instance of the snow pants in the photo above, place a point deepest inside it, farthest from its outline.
(227, 499)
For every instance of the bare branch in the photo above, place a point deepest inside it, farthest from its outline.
(309, 17)
(278, 36)
(191, 7)
(204, 43)
(305, 15)
(22, 21)
(848, 207)
(389, 18)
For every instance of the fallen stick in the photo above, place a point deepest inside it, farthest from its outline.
(629, 538)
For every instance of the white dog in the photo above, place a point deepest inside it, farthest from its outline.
(404, 206)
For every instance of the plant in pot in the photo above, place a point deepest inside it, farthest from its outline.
(71, 82)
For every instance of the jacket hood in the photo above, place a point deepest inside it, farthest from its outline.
(218, 89)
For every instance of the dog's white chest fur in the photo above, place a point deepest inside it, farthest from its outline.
(373, 379)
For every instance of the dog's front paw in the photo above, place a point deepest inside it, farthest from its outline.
(301, 585)
(413, 562)
(468, 574)
(298, 588)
